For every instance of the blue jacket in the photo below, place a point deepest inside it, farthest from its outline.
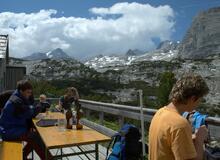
(14, 117)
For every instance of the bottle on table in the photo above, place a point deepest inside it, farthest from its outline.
(79, 114)
(78, 125)
(69, 119)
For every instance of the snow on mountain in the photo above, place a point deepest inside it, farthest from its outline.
(48, 54)
(166, 50)
(57, 54)
(158, 55)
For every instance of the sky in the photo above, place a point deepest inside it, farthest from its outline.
(85, 28)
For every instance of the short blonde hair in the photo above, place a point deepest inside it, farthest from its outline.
(43, 96)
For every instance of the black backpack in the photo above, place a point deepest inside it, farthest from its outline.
(125, 144)
(212, 153)
(4, 97)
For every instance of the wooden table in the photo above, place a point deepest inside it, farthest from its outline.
(54, 138)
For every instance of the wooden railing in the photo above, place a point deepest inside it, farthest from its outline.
(132, 112)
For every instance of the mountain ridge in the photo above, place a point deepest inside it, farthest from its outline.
(57, 53)
(166, 50)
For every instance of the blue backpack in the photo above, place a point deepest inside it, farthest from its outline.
(125, 144)
(196, 119)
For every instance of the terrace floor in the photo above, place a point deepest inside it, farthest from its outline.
(91, 156)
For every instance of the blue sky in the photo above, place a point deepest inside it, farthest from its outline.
(183, 13)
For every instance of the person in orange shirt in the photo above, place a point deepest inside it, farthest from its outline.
(170, 135)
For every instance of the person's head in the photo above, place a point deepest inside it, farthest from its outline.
(72, 92)
(42, 98)
(189, 90)
(25, 88)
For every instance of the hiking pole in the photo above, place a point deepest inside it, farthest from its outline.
(142, 122)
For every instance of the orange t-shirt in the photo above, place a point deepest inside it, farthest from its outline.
(170, 136)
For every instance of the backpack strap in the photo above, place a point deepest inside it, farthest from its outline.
(190, 118)
(186, 115)
(112, 142)
(109, 145)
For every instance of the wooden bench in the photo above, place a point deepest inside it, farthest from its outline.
(11, 150)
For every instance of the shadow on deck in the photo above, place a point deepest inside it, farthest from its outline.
(90, 156)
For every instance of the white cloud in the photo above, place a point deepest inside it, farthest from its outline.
(115, 29)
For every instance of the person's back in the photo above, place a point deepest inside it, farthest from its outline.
(167, 128)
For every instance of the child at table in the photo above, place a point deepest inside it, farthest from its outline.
(43, 103)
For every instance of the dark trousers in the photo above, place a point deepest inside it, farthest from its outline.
(34, 142)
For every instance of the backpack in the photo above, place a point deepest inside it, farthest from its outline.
(125, 144)
(212, 153)
(4, 97)
(197, 119)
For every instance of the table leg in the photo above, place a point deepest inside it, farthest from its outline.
(83, 152)
(61, 153)
(97, 151)
(46, 154)
(32, 153)
(32, 149)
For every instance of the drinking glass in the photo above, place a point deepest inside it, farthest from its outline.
(61, 123)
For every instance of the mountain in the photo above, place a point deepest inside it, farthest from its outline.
(54, 54)
(102, 63)
(134, 52)
(36, 56)
(57, 54)
(54, 69)
(132, 71)
(166, 50)
(203, 37)
(168, 45)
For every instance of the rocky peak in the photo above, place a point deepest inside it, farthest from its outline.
(54, 54)
(168, 45)
(57, 54)
(203, 37)
(134, 52)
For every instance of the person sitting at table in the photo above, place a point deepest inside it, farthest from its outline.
(43, 103)
(65, 102)
(15, 118)
(5, 95)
